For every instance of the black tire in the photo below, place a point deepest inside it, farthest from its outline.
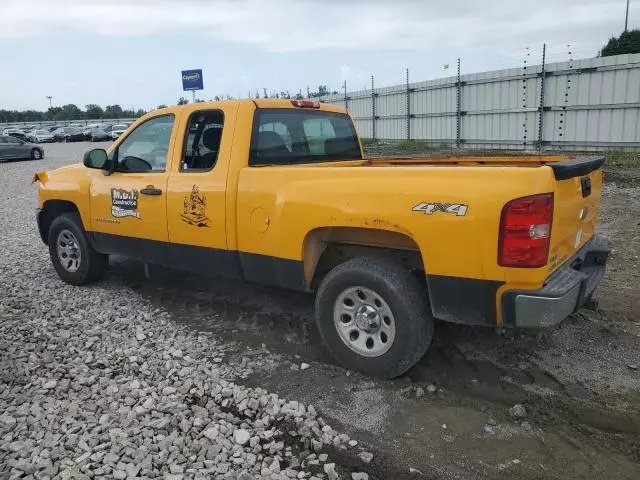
(93, 265)
(35, 154)
(405, 297)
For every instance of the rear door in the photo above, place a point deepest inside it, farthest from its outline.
(196, 202)
(129, 206)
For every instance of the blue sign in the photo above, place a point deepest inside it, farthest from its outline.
(192, 80)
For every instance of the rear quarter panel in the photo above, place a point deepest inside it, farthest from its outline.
(278, 206)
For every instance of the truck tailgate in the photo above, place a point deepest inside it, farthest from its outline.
(576, 203)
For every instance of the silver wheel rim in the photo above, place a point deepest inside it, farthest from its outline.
(364, 321)
(68, 251)
(36, 154)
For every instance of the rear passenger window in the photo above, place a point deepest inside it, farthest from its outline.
(203, 140)
(317, 131)
(293, 136)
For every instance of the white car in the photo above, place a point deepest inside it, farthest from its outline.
(41, 136)
(118, 130)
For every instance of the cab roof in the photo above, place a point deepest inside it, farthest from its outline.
(259, 103)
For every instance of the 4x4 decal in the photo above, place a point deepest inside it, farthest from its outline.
(429, 208)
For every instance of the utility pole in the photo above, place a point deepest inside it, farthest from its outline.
(626, 17)
(49, 97)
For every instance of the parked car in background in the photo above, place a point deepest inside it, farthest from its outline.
(117, 130)
(87, 129)
(10, 130)
(21, 136)
(14, 148)
(51, 128)
(40, 136)
(97, 135)
(68, 134)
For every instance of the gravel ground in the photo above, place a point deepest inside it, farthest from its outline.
(97, 383)
(161, 377)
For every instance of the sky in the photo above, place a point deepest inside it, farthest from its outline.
(131, 52)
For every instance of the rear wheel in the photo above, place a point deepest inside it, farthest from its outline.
(36, 154)
(73, 257)
(374, 317)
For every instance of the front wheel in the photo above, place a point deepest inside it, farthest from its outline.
(374, 317)
(35, 154)
(73, 257)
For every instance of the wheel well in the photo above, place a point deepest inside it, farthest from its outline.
(50, 210)
(326, 248)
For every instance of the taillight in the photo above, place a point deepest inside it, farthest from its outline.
(305, 103)
(525, 231)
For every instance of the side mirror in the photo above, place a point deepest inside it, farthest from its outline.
(96, 158)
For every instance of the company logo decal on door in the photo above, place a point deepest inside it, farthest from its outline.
(124, 203)
(195, 208)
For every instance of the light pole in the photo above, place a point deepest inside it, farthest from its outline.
(626, 17)
(49, 97)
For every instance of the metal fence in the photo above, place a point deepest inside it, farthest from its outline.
(590, 104)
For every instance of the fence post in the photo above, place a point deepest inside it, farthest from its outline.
(541, 106)
(458, 105)
(346, 99)
(408, 108)
(373, 110)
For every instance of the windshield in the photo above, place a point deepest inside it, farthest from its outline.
(293, 136)
(73, 130)
(42, 132)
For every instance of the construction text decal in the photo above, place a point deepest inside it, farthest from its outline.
(124, 203)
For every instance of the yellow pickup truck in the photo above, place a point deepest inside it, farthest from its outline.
(278, 192)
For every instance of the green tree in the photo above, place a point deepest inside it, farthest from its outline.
(71, 112)
(182, 101)
(140, 112)
(627, 42)
(113, 111)
(94, 111)
(162, 105)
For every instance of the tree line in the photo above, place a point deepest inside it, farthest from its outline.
(96, 112)
(70, 112)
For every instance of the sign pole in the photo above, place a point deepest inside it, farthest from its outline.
(193, 93)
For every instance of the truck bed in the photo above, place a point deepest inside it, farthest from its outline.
(563, 166)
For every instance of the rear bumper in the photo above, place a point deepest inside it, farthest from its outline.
(564, 292)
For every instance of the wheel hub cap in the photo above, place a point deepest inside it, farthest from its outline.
(364, 321)
(68, 251)
(367, 318)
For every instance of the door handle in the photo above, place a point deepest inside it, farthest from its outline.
(151, 191)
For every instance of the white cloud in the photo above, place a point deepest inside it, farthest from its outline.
(299, 25)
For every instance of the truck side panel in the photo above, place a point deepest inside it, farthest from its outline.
(279, 206)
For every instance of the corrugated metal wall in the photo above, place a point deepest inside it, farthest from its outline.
(589, 104)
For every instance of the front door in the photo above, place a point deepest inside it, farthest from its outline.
(129, 206)
(196, 211)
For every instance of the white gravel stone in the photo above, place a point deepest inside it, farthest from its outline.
(359, 476)
(241, 436)
(366, 457)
